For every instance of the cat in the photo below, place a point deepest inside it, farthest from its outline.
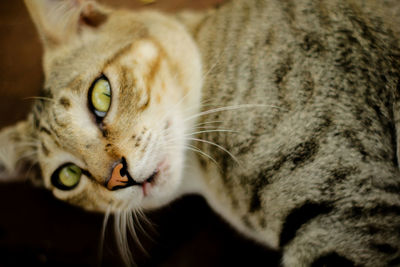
(282, 114)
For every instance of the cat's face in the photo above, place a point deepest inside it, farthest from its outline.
(111, 130)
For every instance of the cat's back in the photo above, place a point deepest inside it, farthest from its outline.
(296, 70)
(312, 85)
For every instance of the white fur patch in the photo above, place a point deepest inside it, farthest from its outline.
(144, 51)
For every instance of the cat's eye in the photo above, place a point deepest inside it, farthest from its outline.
(100, 97)
(66, 177)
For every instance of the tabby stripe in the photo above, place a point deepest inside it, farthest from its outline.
(76, 84)
(394, 262)
(36, 121)
(196, 30)
(260, 183)
(384, 248)
(252, 51)
(386, 209)
(394, 189)
(255, 202)
(45, 130)
(231, 53)
(154, 69)
(332, 259)
(288, 9)
(45, 149)
(393, 137)
(121, 52)
(59, 122)
(356, 212)
(298, 156)
(300, 216)
(54, 132)
(355, 142)
(222, 58)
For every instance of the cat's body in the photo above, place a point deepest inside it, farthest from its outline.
(319, 170)
(299, 101)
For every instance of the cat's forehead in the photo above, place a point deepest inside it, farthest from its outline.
(91, 53)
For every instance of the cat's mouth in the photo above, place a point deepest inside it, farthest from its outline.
(146, 185)
(121, 178)
(152, 180)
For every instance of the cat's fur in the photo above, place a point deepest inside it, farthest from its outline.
(310, 89)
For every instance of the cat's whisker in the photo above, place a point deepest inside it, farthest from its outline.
(211, 131)
(137, 220)
(208, 142)
(186, 110)
(29, 170)
(103, 233)
(208, 122)
(163, 131)
(131, 227)
(214, 65)
(201, 127)
(214, 144)
(120, 227)
(228, 108)
(138, 216)
(197, 130)
(195, 149)
(39, 98)
(142, 216)
(172, 108)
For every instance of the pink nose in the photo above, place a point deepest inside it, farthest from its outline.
(116, 180)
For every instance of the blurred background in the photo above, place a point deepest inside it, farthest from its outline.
(37, 229)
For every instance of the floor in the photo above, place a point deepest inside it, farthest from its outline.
(37, 229)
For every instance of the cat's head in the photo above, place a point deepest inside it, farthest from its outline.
(109, 128)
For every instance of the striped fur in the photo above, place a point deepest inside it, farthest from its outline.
(319, 174)
(296, 143)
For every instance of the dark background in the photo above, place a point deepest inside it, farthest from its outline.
(37, 229)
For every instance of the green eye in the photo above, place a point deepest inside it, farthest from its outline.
(100, 97)
(66, 177)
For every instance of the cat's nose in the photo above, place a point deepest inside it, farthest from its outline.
(120, 177)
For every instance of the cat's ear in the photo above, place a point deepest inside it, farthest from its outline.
(17, 150)
(57, 21)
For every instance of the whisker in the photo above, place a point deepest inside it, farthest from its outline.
(132, 230)
(28, 172)
(214, 144)
(39, 98)
(195, 149)
(171, 109)
(214, 65)
(138, 214)
(227, 108)
(103, 234)
(145, 219)
(121, 237)
(211, 131)
(208, 122)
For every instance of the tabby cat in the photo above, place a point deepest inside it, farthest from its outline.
(283, 114)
